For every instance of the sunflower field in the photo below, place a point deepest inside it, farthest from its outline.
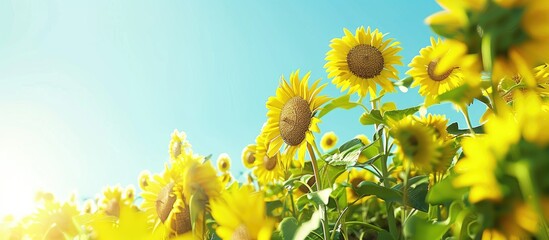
(419, 176)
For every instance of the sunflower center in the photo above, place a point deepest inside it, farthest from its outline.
(250, 158)
(356, 181)
(329, 142)
(177, 148)
(223, 165)
(295, 118)
(182, 221)
(365, 61)
(164, 202)
(269, 162)
(113, 208)
(431, 71)
(414, 142)
(241, 233)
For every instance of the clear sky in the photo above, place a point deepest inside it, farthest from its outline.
(90, 91)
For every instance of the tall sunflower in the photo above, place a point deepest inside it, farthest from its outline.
(362, 61)
(178, 144)
(267, 169)
(416, 142)
(291, 115)
(241, 214)
(432, 84)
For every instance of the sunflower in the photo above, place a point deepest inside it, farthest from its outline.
(438, 123)
(328, 141)
(163, 201)
(223, 162)
(361, 61)
(144, 179)
(53, 220)
(354, 177)
(112, 200)
(416, 143)
(226, 178)
(241, 214)
(178, 144)
(248, 156)
(132, 224)
(267, 169)
(432, 84)
(200, 179)
(291, 117)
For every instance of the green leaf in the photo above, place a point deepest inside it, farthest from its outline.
(416, 192)
(374, 117)
(406, 82)
(288, 227)
(456, 95)
(351, 144)
(444, 192)
(307, 227)
(319, 198)
(418, 226)
(340, 102)
(273, 205)
(369, 188)
(400, 114)
(454, 129)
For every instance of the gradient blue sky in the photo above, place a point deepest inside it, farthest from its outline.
(90, 91)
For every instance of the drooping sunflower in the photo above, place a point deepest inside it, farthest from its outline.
(178, 144)
(328, 141)
(267, 169)
(241, 214)
(164, 202)
(416, 143)
(291, 115)
(248, 156)
(362, 61)
(223, 162)
(354, 177)
(432, 84)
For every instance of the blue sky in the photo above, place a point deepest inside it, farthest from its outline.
(90, 91)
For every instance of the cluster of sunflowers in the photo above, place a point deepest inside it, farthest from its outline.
(419, 177)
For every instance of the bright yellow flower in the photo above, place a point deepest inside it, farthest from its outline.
(416, 143)
(241, 214)
(248, 156)
(112, 200)
(363, 139)
(53, 220)
(362, 61)
(132, 224)
(223, 162)
(226, 179)
(354, 177)
(164, 202)
(267, 169)
(328, 141)
(291, 117)
(437, 122)
(432, 84)
(144, 179)
(200, 179)
(178, 144)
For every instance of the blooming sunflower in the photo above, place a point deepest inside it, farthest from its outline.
(199, 179)
(361, 61)
(241, 214)
(328, 141)
(112, 200)
(163, 201)
(416, 143)
(354, 177)
(223, 162)
(267, 169)
(248, 156)
(53, 220)
(432, 84)
(438, 123)
(178, 144)
(291, 117)
(144, 179)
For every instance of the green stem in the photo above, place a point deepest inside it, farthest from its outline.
(465, 112)
(530, 193)
(367, 225)
(390, 210)
(318, 184)
(487, 50)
